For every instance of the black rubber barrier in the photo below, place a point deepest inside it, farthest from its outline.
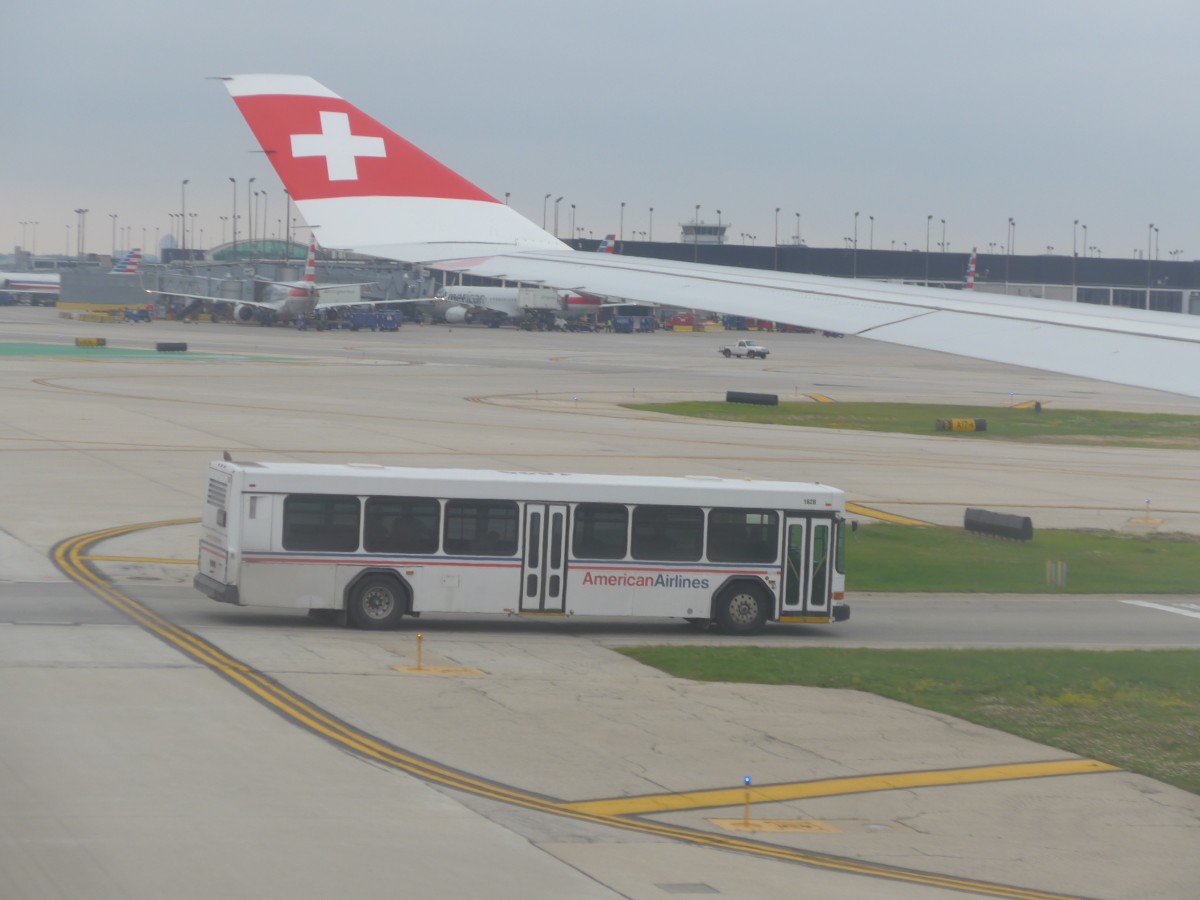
(746, 397)
(1005, 525)
(170, 346)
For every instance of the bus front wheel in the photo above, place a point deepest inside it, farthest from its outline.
(377, 602)
(741, 609)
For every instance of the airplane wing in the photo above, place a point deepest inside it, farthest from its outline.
(375, 193)
(238, 302)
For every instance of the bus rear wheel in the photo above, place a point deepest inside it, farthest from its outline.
(377, 602)
(742, 609)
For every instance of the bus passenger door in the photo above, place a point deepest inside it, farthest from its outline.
(794, 567)
(807, 567)
(820, 566)
(544, 567)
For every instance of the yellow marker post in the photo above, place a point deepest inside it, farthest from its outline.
(420, 637)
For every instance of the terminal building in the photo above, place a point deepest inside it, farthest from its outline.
(234, 271)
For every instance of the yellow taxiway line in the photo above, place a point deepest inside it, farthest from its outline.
(70, 555)
(834, 787)
(859, 510)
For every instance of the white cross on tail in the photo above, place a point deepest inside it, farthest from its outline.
(339, 147)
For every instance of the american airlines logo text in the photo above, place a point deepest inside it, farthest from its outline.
(657, 581)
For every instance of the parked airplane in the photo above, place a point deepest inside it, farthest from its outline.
(526, 306)
(286, 300)
(515, 305)
(374, 192)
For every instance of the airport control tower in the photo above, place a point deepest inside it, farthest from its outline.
(702, 233)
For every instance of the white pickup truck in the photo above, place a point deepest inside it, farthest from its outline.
(748, 349)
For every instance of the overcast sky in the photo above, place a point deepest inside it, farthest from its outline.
(1046, 112)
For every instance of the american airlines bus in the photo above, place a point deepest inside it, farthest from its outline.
(380, 543)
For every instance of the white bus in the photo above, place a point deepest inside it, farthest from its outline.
(380, 543)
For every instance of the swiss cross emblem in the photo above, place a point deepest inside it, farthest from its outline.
(340, 148)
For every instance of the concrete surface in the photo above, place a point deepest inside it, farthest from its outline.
(129, 770)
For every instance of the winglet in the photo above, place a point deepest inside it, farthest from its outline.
(369, 188)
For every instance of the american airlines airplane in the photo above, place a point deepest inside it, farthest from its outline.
(375, 193)
(284, 300)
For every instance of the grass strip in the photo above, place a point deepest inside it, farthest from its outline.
(885, 557)
(1073, 426)
(1137, 709)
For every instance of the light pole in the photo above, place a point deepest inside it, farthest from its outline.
(192, 216)
(1149, 244)
(854, 252)
(33, 244)
(572, 220)
(223, 219)
(1010, 239)
(718, 226)
(287, 216)
(557, 201)
(1085, 243)
(79, 232)
(696, 236)
(113, 216)
(652, 223)
(928, 223)
(871, 242)
(265, 213)
(622, 222)
(250, 211)
(797, 229)
(1074, 251)
(23, 233)
(144, 247)
(777, 238)
(507, 194)
(943, 235)
(233, 213)
(183, 208)
(544, 199)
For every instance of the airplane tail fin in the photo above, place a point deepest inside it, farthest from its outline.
(368, 188)
(608, 244)
(127, 264)
(969, 277)
(310, 264)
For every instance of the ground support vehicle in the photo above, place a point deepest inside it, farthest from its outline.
(747, 348)
(376, 543)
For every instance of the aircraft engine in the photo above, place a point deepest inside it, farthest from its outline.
(456, 315)
(244, 313)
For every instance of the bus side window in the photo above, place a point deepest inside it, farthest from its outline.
(601, 531)
(743, 535)
(401, 525)
(327, 522)
(481, 527)
(671, 533)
